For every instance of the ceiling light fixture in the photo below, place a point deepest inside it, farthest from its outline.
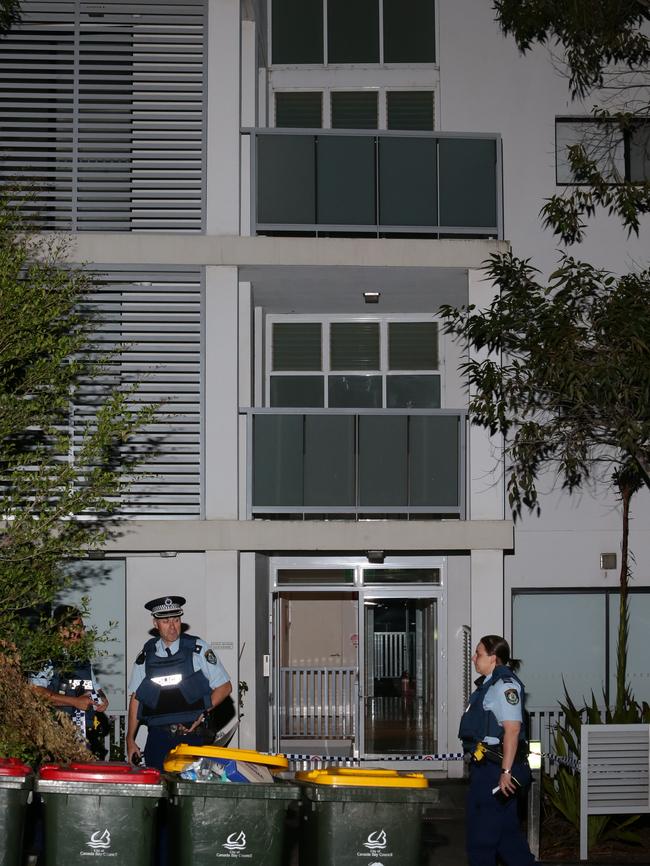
(371, 297)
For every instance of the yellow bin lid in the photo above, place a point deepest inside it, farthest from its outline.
(181, 755)
(358, 777)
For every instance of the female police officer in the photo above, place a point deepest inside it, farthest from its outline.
(492, 731)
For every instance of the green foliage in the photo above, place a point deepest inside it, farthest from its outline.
(9, 15)
(65, 425)
(563, 789)
(567, 379)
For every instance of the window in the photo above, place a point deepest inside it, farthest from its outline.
(302, 109)
(367, 363)
(620, 155)
(352, 33)
(572, 636)
(370, 108)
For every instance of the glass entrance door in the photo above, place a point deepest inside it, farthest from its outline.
(398, 698)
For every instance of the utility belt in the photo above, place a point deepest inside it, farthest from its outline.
(485, 753)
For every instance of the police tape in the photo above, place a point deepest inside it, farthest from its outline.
(564, 760)
(349, 760)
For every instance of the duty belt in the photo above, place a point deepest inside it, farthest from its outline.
(494, 753)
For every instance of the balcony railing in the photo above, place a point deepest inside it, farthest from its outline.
(357, 463)
(342, 182)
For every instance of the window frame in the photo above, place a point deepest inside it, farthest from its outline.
(381, 62)
(326, 101)
(624, 141)
(326, 320)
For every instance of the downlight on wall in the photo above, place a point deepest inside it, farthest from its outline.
(371, 297)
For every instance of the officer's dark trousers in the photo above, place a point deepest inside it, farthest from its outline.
(492, 828)
(161, 740)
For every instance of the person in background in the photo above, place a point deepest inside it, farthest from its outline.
(492, 731)
(69, 684)
(175, 680)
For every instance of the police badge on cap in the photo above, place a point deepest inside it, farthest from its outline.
(167, 606)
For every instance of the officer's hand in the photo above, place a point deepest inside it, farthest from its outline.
(102, 704)
(82, 702)
(506, 784)
(132, 751)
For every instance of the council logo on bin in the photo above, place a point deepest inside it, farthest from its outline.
(235, 842)
(100, 841)
(376, 841)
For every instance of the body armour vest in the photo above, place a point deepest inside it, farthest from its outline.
(172, 692)
(72, 683)
(477, 723)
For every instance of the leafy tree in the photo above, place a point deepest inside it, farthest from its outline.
(9, 15)
(606, 52)
(65, 426)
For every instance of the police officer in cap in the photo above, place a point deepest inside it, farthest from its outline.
(492, 731)
(175, 679)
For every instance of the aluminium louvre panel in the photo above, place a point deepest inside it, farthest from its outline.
(151, 319)
(102, 109)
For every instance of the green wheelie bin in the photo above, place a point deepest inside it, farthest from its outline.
(16, 781)
(352, 816)
(99, 810)
(214, 821)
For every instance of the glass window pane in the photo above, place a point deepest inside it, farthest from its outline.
(409, 31)
(354, 110)
(285, 179)
(297, 346)
(638, 663)
(401, 575)
(297, 391)
(346, 180)
(354, 392)
(354, 346)
(602, 142)
(413, 392)
(299, 109)
(640, 153)
(413, 345)
(353, 31)
(409, 109)
(407, 182)
(315, 576)
(433, 460)
(559, 635)
(329, 460)
(297, 31)
(468, 193)
(382, 460)
(277, 460)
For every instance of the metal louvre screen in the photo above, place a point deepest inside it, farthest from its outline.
(156, 316)
(102, 111)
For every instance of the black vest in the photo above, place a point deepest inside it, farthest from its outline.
(172, 692)
(71, 683)
(478, 723)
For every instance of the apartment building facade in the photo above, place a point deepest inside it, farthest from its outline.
(277, 196)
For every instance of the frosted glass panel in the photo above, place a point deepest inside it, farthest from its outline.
(559, 635)
(329, 460)
(638, 660)
(277, 455)
(104, 584)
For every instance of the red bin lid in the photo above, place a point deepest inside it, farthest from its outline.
(13, 767)
(99, 773)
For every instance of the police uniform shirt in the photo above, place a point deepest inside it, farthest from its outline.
(503, 699)
(45, 676)
(206, 661)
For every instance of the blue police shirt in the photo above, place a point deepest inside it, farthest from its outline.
(215, 672)
(503, 699)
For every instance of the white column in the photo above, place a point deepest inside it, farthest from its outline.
(222, 217)
(222, 609)
(221, 404)
(486, 601)
(245, 390)
(486, 478)
(247, 640)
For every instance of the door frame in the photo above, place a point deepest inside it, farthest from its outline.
(363, 591)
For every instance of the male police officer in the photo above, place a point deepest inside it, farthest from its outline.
(174, 680)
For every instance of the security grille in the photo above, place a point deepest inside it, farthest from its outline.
(101, 111)
(150, 330)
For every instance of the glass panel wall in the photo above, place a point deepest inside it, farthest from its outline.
(297, 31)
(467, 187)
(345, 178)
(408, 182)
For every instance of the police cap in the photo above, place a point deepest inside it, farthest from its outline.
(166, 606)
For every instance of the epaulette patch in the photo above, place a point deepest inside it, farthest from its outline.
(197, 648)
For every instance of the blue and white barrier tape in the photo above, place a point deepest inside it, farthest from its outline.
(348, 759)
